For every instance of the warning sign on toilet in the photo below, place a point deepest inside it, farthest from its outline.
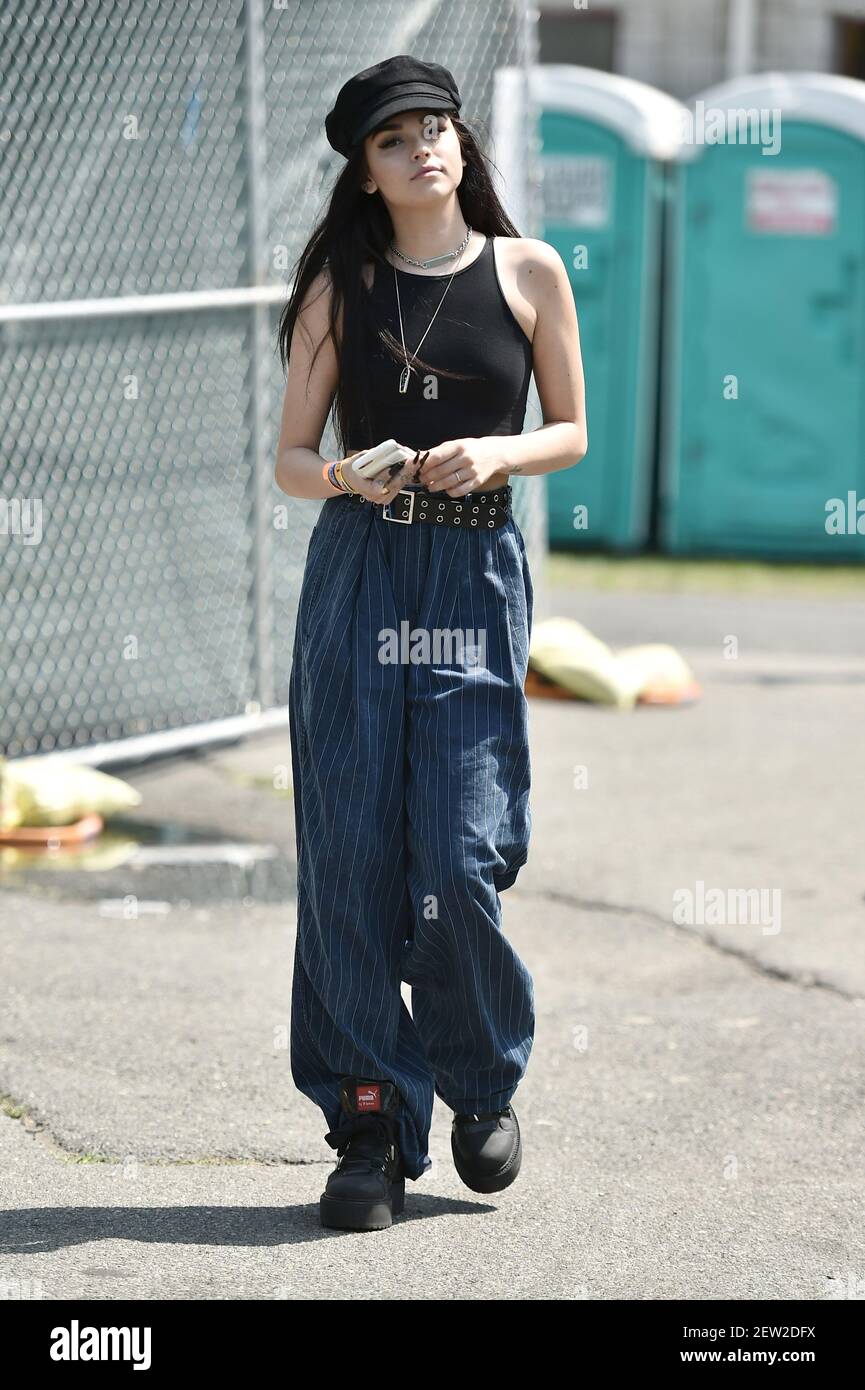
(800, 202)
(577, 189)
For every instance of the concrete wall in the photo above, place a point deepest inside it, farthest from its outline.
(681, 45)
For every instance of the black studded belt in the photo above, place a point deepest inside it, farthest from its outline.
(476, 509)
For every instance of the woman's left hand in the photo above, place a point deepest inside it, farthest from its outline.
(475, 460)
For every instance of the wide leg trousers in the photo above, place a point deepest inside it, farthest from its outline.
(410, 761)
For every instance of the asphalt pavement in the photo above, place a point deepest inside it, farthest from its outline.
(692, 914)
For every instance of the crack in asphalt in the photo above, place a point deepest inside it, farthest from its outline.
(804, 979)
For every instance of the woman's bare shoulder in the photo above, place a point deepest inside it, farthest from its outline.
(531, 254)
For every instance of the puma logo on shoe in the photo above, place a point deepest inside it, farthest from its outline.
(368, 1097)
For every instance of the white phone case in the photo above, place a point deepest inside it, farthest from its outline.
(373, 461)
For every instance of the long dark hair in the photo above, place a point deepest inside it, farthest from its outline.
(357, 228)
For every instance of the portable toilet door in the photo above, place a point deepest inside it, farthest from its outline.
(604, 141)
(764, 358)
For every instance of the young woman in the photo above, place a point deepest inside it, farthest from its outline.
(418, 306)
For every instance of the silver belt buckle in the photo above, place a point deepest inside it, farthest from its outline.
(403, 520)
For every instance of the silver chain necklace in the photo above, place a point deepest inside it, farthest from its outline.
(405, 374)
(434, 260)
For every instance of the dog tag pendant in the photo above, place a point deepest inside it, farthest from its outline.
(403, 380)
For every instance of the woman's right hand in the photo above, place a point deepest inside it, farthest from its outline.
(380, 489)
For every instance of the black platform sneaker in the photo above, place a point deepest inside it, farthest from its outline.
(487, 1149)
(367, 1187)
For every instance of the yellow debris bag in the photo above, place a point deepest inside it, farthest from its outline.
(51, 791)
(567, 653)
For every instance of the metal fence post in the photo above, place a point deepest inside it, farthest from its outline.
(261, 473)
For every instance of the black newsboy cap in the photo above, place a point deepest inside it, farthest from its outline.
(396, 84)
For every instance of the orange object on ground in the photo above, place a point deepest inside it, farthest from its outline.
(38, 836)
(670, 694)
(537, 684)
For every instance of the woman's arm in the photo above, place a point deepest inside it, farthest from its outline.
(306, 405)
(557, 364)
(558, 444)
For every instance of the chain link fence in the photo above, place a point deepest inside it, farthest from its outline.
(163, 165)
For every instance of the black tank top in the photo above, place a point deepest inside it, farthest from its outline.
(475, 331)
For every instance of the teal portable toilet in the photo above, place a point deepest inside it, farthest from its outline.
(762, 448)
(605, 141)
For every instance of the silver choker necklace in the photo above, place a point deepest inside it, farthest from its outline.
(434, 260)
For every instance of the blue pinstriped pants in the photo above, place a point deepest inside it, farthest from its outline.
(411, 792)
